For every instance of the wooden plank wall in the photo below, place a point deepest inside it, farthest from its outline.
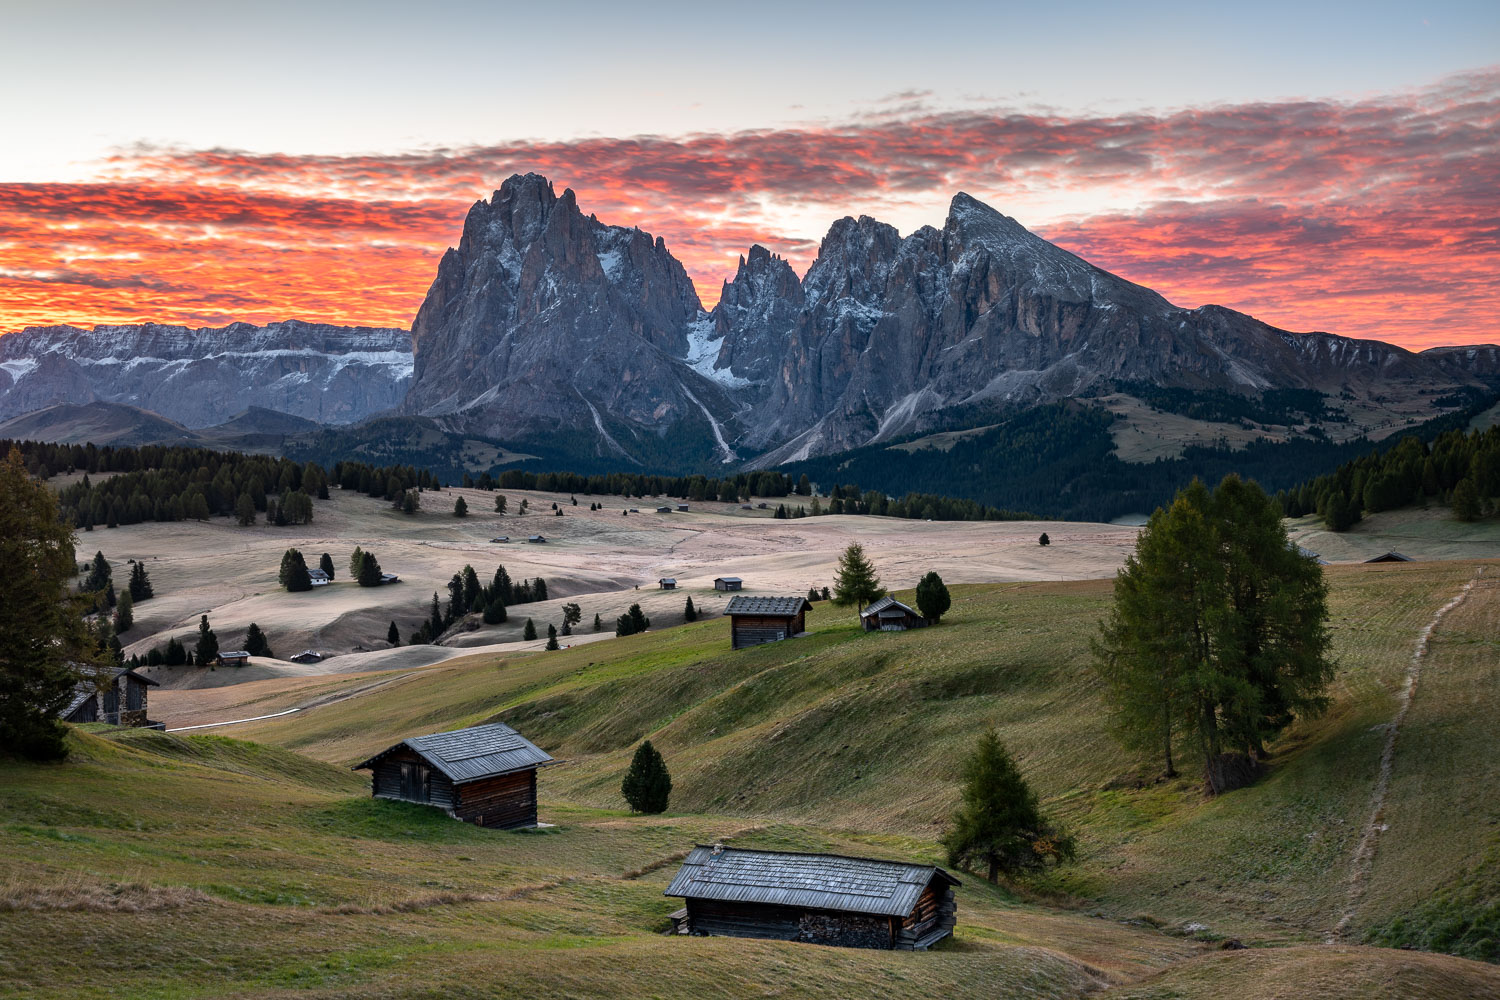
(386, 781)
(505, 801)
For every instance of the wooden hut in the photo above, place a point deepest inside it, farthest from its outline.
(816, 898)
(890, 615)
(682, 506)
(728, 583)
(122, 702)
(306, 656)
(754, 620)
(664, 510)
(1390, 557)
(234, 658)
(484, 774)
(667, 583)
(538, 539)
(318, 577)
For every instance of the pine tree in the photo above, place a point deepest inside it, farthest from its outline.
(207, 649)
(647, 786)
(256, 643)
(42, 628)
(124, 612)
(494, 612)
(856, 582)
(529, 632)
(393, 635)
(552, 637)
(99, 574)
(411, 502)
(932, 598)
(460, 508)
(325, 563)
(293, 575)
(356, 560)
(140, 583)
(472, 589)
(435, 618)
(1043, 539)
(1000, 823)
(499, 504)
(1466, 505)
(244, 510)
(813, 596)
(689, 613)
(598, 624)
(369, 574)
(572, 615)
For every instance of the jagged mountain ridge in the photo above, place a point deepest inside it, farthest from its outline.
(200, 378)
(545, 322)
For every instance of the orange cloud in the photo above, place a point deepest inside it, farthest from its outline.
(1375, 218)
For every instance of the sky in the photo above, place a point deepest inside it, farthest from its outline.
(1321, 166)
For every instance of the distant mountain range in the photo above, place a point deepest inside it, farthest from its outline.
(556, 335)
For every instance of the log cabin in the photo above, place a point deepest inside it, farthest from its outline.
(890, 615)
(121, 702)
(754, 620)
(484, 775)
(667, 583)
(815, 898)
(728, 583)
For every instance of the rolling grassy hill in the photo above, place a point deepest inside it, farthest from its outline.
(196, 866)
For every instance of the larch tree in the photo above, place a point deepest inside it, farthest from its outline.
(44, 639)
(1216, 639)
(856, 582)
(1000, 824)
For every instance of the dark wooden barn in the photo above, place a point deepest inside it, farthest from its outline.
(890, 615)
(233, 658)
(484, 775)
(816, 898)
(754, 620)
(728, 583)
(122, 702)
(667, 583)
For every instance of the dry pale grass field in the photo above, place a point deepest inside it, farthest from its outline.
(603, 560)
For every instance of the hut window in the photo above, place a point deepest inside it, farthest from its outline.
(415, 783)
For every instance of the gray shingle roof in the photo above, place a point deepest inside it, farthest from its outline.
(473, 753)
(814, 881)
(888, 603)
(783, 607)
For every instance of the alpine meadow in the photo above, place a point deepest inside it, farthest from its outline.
(614, 501)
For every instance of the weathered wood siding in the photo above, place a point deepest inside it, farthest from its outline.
(720, 918)
(752, 630)
(508, 800)
(932, 919)
(387, 783)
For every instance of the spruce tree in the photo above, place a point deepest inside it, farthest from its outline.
(1466, 505)
(99, 574)
(856, 582)
(932, 597)
(529, 632)
(393, 635)
(494, 612)
(124, 613)
(1042, 539)
(369, 574)
(356, 560)
(435, 618)
(325, 563)
(244, 511)
(460, 508)
(647, 786)
(256, 643)
(689, 613)
(552, 637)
(598, 623)
(499, 504)
(140, 583)
(207, 649)
(1000, 825)
(43, 634)
(293, 575)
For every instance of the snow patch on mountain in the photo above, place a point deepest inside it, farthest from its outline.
(703, 345)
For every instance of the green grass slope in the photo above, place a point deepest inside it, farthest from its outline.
(190, 866)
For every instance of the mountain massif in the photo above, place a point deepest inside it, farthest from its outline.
(556, 335)
(201, 378)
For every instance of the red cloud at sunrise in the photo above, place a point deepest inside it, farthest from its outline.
(1376, 218)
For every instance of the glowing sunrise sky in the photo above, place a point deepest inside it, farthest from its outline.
(1321, 166)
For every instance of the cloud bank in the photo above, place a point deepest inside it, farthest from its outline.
(1375, 218)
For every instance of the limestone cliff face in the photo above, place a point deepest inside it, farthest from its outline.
(546, 322)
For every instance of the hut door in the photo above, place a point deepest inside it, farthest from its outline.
(111, 704)
(414, 782)
(133, 695)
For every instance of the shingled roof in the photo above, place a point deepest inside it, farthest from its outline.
(887, 602)
(473, 753)
(813, 881)
(771, 607)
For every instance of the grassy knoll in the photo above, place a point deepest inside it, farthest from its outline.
(208, 866)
